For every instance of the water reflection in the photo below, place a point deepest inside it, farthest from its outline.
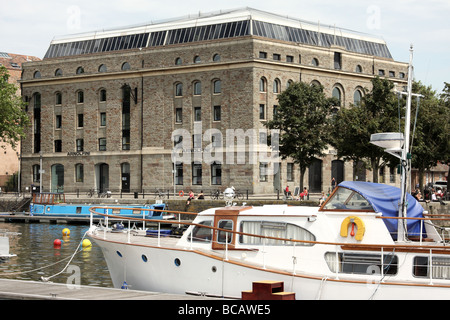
(37, 257)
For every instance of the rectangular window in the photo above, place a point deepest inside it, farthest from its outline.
(440, 267)
(289, 59)
(362, 263)
(58, 146)
(178, 115)
(197, 114)
(276, 56)
(179, 174)
(392, 74)
(263, 171)
(274, 229)
(58, 121)
(125, 139)
(216, 173)
(216, 139)
(217, 113)
(263, 55)
(36, 174)
(102, 119)
(337, 61)
(290, 172)
(262, 112)
(196, 173)
(80, 145)
(263, 138)
(223, 236)
(178, 141)
(79, 172)
(197, 141)
(102, 144)
(80, 120)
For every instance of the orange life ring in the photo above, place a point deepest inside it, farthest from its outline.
(181, 193)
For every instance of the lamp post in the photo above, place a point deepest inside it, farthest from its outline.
(40, 172)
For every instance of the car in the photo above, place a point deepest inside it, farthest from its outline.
(442, 184)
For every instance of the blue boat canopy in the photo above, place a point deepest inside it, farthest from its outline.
(386, 199)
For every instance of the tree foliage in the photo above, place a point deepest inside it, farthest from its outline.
(431, 137)
(351, 128)
(302, 118)
(13, 118)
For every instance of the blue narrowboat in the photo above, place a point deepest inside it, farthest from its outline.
(53, 204)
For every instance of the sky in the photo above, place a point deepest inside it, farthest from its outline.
(28, 26)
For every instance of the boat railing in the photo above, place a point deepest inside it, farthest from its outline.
(335, 248)
(48, 198)
(229, 232)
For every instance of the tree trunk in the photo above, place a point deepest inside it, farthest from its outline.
(302, 175)
(375, 168)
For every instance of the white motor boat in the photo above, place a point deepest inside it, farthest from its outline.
(346, 249)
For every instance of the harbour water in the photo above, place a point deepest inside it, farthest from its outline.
(37, 257)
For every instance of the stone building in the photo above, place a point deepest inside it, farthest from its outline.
(110, 109)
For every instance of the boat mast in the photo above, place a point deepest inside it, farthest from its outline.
(404, 157)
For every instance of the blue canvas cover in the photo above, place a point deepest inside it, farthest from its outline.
(386, 199)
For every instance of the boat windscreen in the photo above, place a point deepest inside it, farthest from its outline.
(346, 199)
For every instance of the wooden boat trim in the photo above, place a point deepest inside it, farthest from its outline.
(273, 270)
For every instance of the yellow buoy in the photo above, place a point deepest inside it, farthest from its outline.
(86, 243)
(66, 232)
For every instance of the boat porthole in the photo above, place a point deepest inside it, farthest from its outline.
(144, 258)
(177, 262)
(119, 254)
(214, 269)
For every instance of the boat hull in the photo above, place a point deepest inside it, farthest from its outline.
(78, 210)
(182, 271)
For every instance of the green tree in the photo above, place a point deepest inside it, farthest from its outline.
(431, 139)
(351, 128)
(13, 118)
(302, 118)
(445, 104)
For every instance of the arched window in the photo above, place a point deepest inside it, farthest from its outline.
(338, 95)
(276, 86)
(357, 97)
(216, 57)
(102, 68)
(315, 83)
(80, 70)
(80, 96)
(358, 69)
(37, 75)
(217, 85)
(102, 95)
(262, 85)
(197, 88)
(197, 59)
(58, 98)
(178, 61)
(178, 89)
(126, 66)
(58, 73)
(289, 83)
(315, 62)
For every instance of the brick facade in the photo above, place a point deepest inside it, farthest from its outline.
(152, 78)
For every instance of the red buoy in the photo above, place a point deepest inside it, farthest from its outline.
(57, 243)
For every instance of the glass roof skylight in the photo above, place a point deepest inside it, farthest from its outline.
(217, 25)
